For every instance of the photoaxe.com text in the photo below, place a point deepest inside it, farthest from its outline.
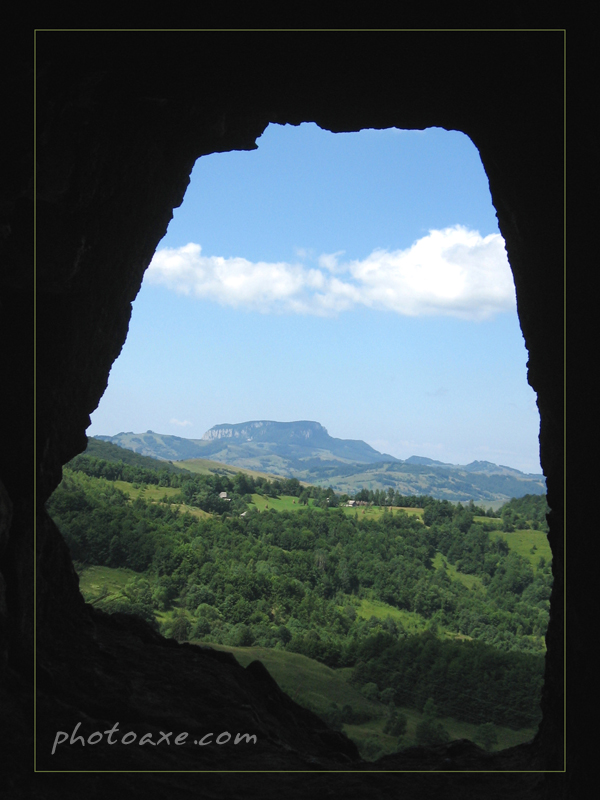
(146, 739)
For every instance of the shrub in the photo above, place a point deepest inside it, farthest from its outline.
(370, 691)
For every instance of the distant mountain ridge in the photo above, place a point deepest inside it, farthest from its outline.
(299, 440)
(269, 431)
(266, 429)
(305, 450)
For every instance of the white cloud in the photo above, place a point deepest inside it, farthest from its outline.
(183, 423)
(329, 261)
(453, 272)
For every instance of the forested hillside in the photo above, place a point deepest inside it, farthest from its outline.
(432, 601)
(304, 450)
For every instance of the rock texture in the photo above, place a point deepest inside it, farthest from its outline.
(267, 430)
(121, 119)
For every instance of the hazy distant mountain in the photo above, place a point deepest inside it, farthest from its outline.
(256, 440)
(448, 482)
(304, 439)
(156, 445)
(481, 467)
(305, 450)
(427, 462)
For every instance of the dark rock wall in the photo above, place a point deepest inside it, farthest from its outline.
(121, 119)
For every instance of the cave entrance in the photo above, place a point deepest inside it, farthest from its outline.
(305, 287)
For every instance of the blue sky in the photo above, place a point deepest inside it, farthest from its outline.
(357, 279)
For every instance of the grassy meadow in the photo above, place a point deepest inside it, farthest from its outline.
(411, 621)
(149, 492)
(374, 512)
(283, 503)
(93, 579)
(203, 466)
(528, 544)
(290, 503)
(469, 581)
(317, 686)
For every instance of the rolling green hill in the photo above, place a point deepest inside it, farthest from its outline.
(101, 447)
(325, 690)
(454, 483)
(359, 605)
(310, 683)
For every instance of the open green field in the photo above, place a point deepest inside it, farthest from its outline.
(456, 728)
(304, 679)
(410, 620)
(157, 494)
(195, 512)
(374, 512)
(313, 684)
(290, 503)
(93, 578)
(467, 580)
(496, 520)
(284, 503)
(205, 466)
(150, 492)
(524, 542)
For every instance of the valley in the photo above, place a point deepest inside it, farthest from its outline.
(402, 599)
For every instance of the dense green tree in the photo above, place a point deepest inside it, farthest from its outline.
(179, 629)
(370, 691)
(387, 696)
(299, 580)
